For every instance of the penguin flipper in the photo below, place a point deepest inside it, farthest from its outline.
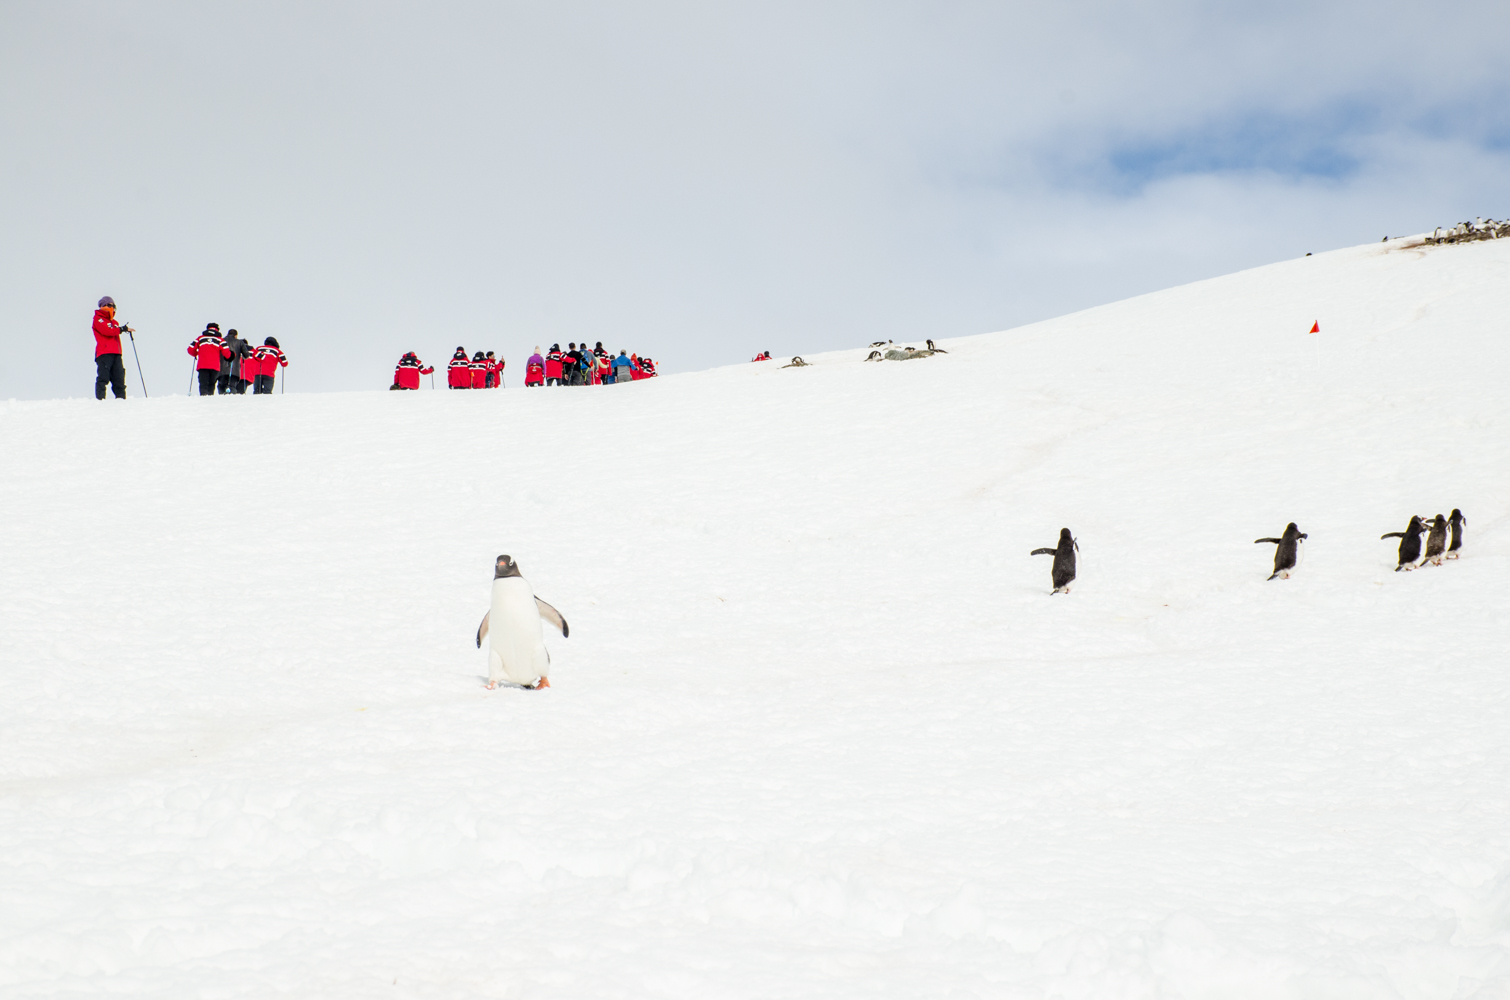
(553, 616)
(1276, 541)
(1044, 552)
(1391, 534)
(482, 630)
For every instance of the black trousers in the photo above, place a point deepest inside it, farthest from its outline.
(223, 384)
(109, 370)
(238, 386)
(264, 385)
(207, 379)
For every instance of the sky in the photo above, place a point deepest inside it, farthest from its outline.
(697, 182)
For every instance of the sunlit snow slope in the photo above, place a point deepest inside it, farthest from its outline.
(819, 730)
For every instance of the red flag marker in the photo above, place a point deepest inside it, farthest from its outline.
(1316, 327)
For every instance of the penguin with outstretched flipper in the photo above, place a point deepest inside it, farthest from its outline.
(1063, 573)
(516, 649)
(1410, 544)
(1287, 556)
(1456, 522)
(1436, 541)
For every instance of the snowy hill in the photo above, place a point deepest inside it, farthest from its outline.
(819, 729)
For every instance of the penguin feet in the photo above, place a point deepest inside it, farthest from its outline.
(492, 685)
(1450, 555)
(543, 682)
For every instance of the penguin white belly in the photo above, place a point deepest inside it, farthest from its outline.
(516, 642)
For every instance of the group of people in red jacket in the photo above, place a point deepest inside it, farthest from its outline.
(225, 364)
(229, 364)
(583, 365)
(482, 371)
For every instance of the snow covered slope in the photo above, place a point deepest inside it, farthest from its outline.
(819, 729)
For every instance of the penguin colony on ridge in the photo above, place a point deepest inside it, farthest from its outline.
(516, 643)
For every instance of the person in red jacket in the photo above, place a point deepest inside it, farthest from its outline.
(648, 367)
(269, 356)
(208, 349)
(410, 368)
(534, 369)
(108, 367)
(495, 371)
(553, 365)
(459, 371)
(479, 371)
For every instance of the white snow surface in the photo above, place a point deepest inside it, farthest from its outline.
(819, 730)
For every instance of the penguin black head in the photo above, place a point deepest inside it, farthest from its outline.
(505, 567)
(1456, 517)
(1065, 536)
(1415, 527)
(1292, 530)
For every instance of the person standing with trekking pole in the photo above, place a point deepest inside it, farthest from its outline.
(109, 369)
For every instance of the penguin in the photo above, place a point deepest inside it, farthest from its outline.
(516, 649)
(1410, 544)
(1063, 573)
(1436, 541)
(1287, 555)
(1456, 522)
(936, 350)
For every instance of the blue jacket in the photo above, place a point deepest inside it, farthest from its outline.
(622, 361)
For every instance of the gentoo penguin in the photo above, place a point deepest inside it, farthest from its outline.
(1456, 522)
(1063, 573)
(1410, 544)
(516, 643)
(1436, 541)
(936, 350)
(1287, 556)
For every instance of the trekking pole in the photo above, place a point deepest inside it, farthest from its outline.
(432, 380)
(132, 334)
(193, 369)
(283, 382)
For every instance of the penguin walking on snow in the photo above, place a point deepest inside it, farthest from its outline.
(1063, 573)
(516, 643)
(1287, 555)
(1436, 541)
(1410, 544)
(1456, 522)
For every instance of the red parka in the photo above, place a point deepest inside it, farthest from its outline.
(459, 373)
(209, 349)
(107, 334)
(479, 374)
(553, 364)
(406, 375)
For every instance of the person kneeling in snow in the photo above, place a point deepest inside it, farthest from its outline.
(534, 369)
(410, 368)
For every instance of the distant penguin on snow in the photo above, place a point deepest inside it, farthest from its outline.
(516, 643)
(1287, 556)
(1436, 541)
(1410, 544)
(1064, 561)
(1456, 522)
